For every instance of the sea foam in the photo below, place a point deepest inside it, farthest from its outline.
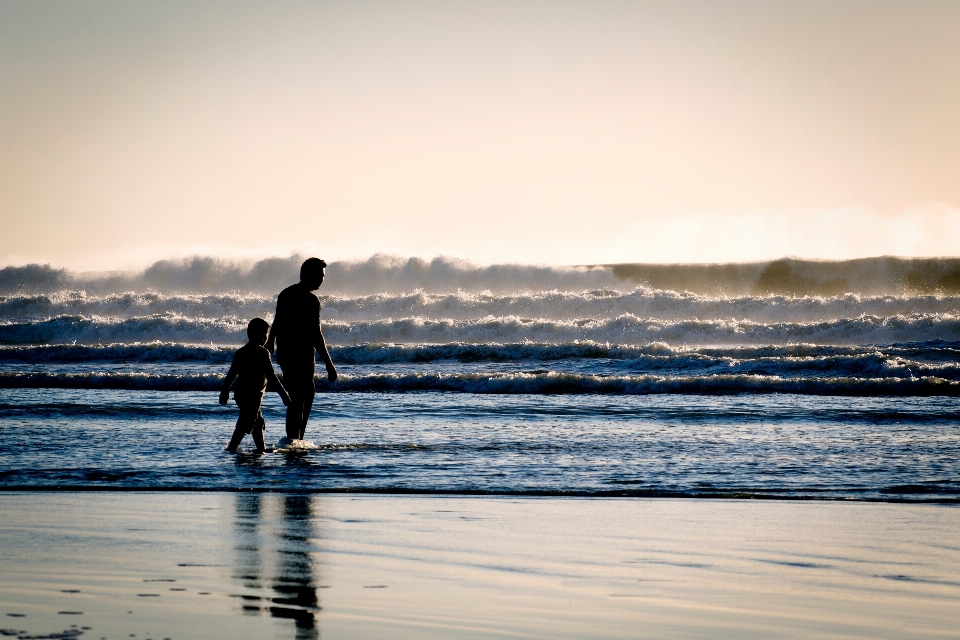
(556, 305)
(541, 382)
(626, 329)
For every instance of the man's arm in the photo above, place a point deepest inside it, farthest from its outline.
(325, 356)
(271, 344)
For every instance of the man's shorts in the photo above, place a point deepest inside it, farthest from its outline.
(298, 373)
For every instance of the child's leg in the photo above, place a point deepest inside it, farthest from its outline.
(245, 421)
(258, 427)
(236, 438)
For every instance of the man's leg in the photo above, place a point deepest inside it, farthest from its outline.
(294, 411)
(298, 380)
(307, 407)
(298, 412)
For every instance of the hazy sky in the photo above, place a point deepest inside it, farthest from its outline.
(531, 131)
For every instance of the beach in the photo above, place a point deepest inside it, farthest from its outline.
(548, 461)
(564, 320)
(288, 565)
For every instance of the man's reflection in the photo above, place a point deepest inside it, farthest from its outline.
(262, 538)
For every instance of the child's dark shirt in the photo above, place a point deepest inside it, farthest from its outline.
(253, 369)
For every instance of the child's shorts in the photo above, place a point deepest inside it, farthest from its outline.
(251, 417)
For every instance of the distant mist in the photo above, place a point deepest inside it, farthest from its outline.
(795, 277)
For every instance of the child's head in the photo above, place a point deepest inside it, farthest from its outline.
(257, 331)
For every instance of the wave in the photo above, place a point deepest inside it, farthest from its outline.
(546, 382)
(552, 305)
(641, 302)
(625, 329)
(120, 352)
(170, 328)
(933, 359)
(381, 353)
(126, 305)
(629, 329)
(795, 277)
(379, 273)
(391, 274)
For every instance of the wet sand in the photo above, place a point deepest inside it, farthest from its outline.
(219, 565)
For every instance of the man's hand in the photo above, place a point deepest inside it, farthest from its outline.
(331, 373)
(224, 396)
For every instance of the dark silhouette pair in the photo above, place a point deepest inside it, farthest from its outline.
(297, 338)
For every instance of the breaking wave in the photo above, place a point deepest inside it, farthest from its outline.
(392, 274)
(935, 358)
(171, 328)
(883, 326)
(547, 382)
(380, 353)
(624, 329)
(377, 274)
(601, 304)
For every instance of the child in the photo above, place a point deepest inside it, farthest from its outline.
(252, 370)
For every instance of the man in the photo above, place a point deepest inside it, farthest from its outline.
(296, 336)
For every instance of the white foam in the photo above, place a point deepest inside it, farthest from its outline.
(285, 444)
(624, 329)
(884, 381)
(236, 309)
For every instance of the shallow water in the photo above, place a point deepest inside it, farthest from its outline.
(508, 379)
(771, 445)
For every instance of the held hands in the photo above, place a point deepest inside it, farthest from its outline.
(224, 396)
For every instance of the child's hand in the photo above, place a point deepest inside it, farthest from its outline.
(224, 397)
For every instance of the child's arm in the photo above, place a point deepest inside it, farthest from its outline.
(271, 376)
(225, 391)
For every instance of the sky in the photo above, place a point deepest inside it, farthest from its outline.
(524, 131)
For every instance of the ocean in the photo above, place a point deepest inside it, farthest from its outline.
(785, 379)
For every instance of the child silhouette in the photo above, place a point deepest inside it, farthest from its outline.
(253, 370)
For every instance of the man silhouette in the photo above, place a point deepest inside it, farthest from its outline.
(296, 336)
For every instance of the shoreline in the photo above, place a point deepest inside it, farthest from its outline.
(251, 565)
(760, 495)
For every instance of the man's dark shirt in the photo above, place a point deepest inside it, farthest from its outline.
(296, 326)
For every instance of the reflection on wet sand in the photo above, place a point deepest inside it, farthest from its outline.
(273, 552)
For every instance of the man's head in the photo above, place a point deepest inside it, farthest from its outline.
(257, 331)
(312, 273)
